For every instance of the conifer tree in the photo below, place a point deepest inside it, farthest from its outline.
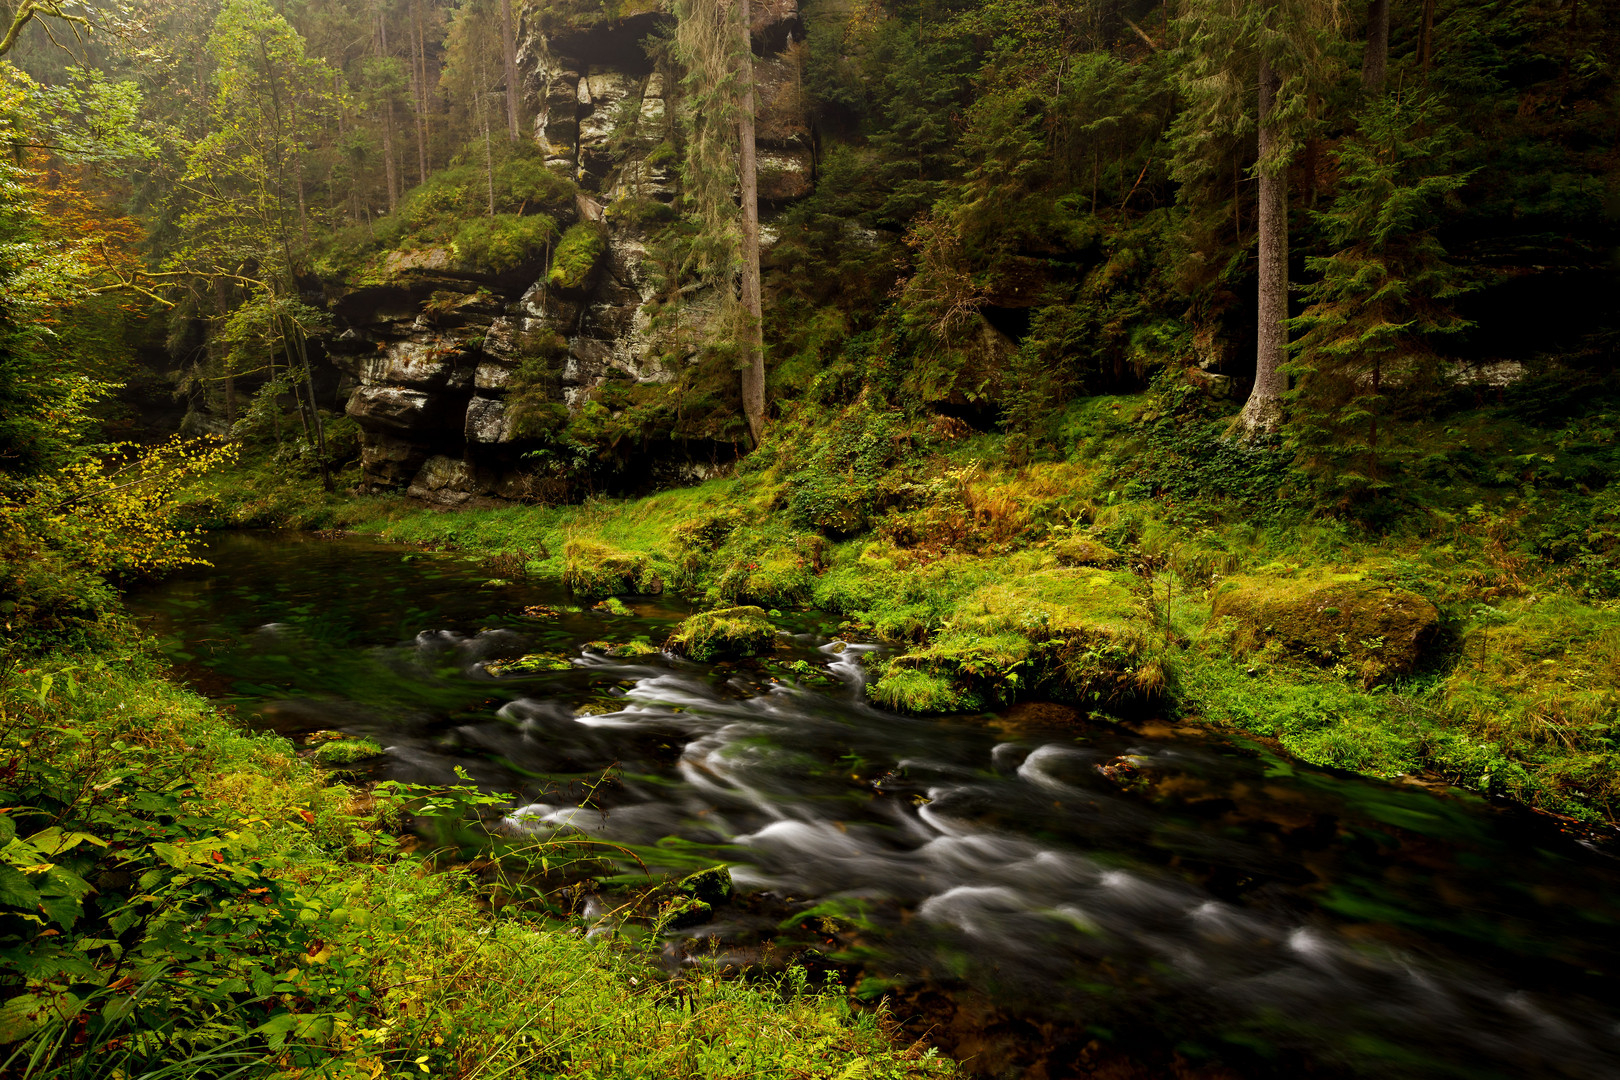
(1271, 53)
(713, 41)
(1385, 293)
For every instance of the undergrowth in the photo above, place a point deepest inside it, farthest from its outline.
(178, 897)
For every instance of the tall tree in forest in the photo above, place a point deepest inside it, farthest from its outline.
(509, 62)
(1270, 53)
(1384, 295)
(241, 195)
(1375, 61)
(713, 40)
(471, 75)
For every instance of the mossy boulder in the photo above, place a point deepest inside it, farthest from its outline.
(694, 897)
(1372, 630)
(627, 649)
(1066, 632)
(341, 752)
(1080, 551)
(726, 633)
(595, 571)
(533, 664)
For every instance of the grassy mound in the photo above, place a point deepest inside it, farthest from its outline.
(727, 633)
(596, 571)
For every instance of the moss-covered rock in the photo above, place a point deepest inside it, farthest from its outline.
(1069, 632)
(595, 571)
(724, 634)
(531, 664)
(712, 886)
(1337, 621)
(1080, 551)
(574, 261)
(627, 649)
(346, 751)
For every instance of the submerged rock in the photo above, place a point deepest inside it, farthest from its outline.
(1375, 631)
(727, 633)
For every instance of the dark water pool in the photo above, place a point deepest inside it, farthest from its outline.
(1192, 902)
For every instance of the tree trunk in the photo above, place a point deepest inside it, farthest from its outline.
(753, 374)
(315, 415)
(1375, 62)
(390, 169)
(489, 155)
(422, 130)
(509, 47)
(1426, 37)
(1263, 410)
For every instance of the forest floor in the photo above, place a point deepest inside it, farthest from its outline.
(1152, 570)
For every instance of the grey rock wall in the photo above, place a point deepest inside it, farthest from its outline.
(431, 354)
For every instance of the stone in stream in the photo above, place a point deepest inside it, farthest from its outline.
(726, 633)
(696, 896)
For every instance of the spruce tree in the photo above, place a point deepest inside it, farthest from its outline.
(1383, 296)
(1272, 53)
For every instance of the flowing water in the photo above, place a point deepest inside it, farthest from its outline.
(1175, 896)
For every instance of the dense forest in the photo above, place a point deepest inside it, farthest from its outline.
(1238, 367)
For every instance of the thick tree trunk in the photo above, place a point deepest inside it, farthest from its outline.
(753, 373)
(1375, 61)
(509, 47)
(1263, 410)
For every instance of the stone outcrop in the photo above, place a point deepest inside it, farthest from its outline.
(431, 354)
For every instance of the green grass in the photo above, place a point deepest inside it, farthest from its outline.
(272, 923)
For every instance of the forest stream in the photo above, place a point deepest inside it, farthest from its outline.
(1133, 884)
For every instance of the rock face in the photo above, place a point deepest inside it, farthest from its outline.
(1374, 631)
(430, 355)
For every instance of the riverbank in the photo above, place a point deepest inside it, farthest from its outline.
(1155, 569)
(177, 889)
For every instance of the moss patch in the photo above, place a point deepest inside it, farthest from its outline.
(725, 633)
(346, 751)
(575, 259)
(1079, 551)
(1066, 631)
(529, 665)
(1371, 630)
(596, 571)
